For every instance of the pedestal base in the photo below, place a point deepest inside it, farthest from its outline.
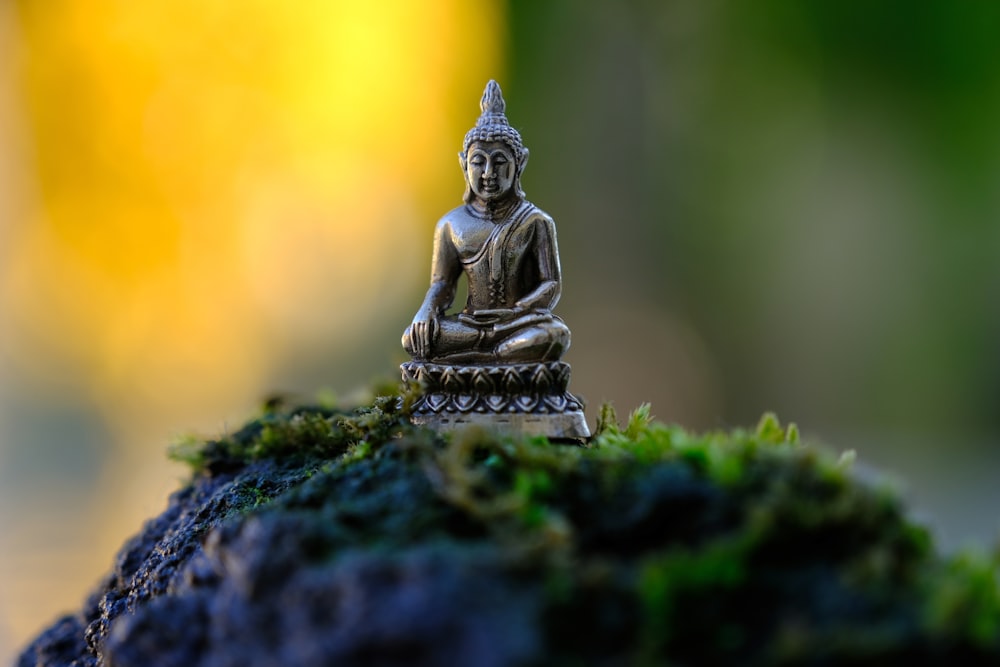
(527, 398)
(569, 425)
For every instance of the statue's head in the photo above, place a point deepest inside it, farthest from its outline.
(493, 149)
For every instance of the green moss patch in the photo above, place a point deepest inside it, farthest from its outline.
(647, 545)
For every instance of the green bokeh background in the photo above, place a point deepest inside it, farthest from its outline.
(811, 188)
(812, 184)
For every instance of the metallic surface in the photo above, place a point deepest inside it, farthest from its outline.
(506, 248)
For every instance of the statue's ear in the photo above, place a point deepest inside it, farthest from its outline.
(462, 159)
(524, 160)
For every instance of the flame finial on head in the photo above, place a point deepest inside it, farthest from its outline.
(492, 124)
(492, 103)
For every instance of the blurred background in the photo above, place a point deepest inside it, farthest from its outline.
(779, 205)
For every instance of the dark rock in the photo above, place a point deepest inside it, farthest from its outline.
(322, 538)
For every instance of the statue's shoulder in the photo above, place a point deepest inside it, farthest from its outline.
(455, 218)
(538, 216)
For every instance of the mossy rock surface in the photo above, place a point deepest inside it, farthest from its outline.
(322, 537)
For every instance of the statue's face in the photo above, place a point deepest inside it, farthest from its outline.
(490, 169)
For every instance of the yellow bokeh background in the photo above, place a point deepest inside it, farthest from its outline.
(194, 193)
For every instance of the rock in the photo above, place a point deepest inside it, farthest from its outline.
(316, 537)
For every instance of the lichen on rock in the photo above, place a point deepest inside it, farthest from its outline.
(318, 536)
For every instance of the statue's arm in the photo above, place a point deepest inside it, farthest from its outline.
(445, 270)
(546, 294)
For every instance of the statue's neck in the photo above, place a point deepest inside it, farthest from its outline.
(496, 210)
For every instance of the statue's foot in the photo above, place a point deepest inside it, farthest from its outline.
(535, 344)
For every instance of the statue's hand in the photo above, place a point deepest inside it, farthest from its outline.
(422, 333)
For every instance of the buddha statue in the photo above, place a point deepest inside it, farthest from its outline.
(499, 356)
(506, 248)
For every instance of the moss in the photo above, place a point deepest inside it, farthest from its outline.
(297, 433)
(651, 543)
(963, 599)
(666, 577)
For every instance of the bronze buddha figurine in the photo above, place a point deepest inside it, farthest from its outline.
(506, 247)
(500, 354)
